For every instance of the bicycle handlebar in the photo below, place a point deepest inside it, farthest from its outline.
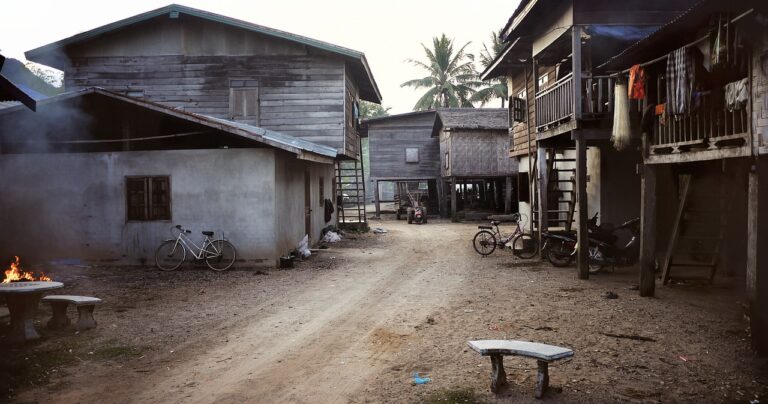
(178, 226)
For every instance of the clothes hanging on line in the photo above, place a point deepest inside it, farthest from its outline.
(736, 94)
(636, 83)
(680, 78)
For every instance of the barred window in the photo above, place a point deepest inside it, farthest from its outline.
(148, 198)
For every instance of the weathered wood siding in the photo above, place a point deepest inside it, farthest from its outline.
(189, 63)
(388, 140)
(351, 99)
(759, 113)
(477, 153)
(520, 130)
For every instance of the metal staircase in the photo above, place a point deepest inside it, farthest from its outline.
(350, 192)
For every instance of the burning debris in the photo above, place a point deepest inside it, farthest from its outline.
(14, 273)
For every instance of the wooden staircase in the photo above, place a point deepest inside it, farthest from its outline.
(561, 191)
(350, 192)
(698, 231)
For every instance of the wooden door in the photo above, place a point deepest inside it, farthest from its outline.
(307, 204)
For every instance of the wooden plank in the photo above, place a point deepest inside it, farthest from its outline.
(648, 231)
(685, 183)
(582, 213)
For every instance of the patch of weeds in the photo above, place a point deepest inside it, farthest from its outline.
(114, 352)
(453, 395)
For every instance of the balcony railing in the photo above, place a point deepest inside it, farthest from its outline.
(710, 125)
(555, 104)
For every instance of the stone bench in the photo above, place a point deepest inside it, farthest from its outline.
(84, 304)
(543, 353)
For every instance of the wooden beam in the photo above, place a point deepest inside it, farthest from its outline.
(454, 211)
(582, 211)
(685, 185)
(648, 231)
(757, 258)
(542, 181)
(376, 197)
(576, 45)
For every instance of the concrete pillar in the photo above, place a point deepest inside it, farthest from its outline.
(757, 257)
(648, 231)
(582, 213)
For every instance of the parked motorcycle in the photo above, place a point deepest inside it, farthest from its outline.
(417, 215)
(603, 250)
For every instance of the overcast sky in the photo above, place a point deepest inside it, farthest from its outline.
(388, 32)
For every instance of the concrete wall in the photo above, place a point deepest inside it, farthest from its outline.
(73, 206)
(290, 202)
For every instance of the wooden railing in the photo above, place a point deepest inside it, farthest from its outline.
(597, 96)
(555, 104)
(709, 124)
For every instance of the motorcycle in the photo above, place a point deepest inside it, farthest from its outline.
(417, 215)
(604, 251)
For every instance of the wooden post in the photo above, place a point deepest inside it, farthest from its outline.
(582, 212)
(576, 64)
(454, 210)
(757, 258)
(508, 196)
(376, 198)
(648, 231)
(543, 180)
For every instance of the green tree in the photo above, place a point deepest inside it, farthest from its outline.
(497, 87)
(451, 79)
(371, 110)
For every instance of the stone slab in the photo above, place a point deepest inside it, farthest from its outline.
(28, 287)
(76, 300)
(536, 350)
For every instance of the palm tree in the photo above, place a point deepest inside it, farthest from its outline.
(497, 87)
(452, 78)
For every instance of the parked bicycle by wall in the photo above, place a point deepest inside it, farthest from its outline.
(219, 254)
(523, 245)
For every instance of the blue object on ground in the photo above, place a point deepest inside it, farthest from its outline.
(420, 380)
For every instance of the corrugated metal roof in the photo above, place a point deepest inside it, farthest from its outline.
(253, 133)
(8, 104)
(38, 54)
(475, 118)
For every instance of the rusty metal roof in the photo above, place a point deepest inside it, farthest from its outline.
(475, 118)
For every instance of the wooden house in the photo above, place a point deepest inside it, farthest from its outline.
(225, 68)
(561, 110)
(12, 92)
(705, 150)
(460, 149)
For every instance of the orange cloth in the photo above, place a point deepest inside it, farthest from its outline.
(636, 86)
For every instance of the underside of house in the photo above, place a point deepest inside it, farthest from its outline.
(108, 176)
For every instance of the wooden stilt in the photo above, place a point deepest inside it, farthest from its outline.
(648, 231)
(757, 257)
(454, 209)
(582, 212)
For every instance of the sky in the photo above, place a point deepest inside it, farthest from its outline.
(388, 32)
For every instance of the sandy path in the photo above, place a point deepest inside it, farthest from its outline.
(324, 342)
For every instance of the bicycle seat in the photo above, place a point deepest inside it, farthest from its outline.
(495, 222)
(208, 233)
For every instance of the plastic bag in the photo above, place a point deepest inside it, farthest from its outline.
(303, 247)
(331, 237)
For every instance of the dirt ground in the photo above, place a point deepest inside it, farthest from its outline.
(355, 321)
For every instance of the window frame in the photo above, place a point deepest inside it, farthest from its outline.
(237, 85)
(149, 216)
(418, 155)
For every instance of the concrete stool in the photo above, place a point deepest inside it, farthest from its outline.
(85, 306)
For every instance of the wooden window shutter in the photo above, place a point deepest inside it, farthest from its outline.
(517, 107)
(244, 103)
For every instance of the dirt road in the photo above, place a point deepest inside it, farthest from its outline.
(354, 322)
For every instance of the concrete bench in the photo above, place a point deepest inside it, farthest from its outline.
(84, 304)
(543, 353)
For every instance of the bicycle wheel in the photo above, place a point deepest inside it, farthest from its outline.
(559, 253)
(169, 255)
(525, 246)
(220, 255)
(484, 242)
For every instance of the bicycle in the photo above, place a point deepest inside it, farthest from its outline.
(218, 254)
(488, 238)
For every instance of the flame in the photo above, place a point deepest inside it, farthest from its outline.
(15, 273)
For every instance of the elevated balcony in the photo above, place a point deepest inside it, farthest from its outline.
(555, 105)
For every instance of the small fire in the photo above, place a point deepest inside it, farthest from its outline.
(14, 273)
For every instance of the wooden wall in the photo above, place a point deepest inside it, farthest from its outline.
(519, 130)
(388, 140)
(351, 97)
(477, 153)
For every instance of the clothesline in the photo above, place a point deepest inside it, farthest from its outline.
(694, 43)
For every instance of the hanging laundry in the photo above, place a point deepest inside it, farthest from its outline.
(718, 41)
(681, 75)
(736, 94)
(621, 136)
(636, 83)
